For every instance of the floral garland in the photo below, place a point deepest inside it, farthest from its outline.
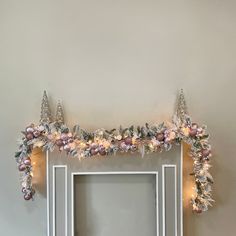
(146, 139)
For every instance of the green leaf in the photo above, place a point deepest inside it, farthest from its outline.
(206, 136)
(65, 130)
(17, 154)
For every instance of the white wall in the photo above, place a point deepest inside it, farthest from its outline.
(118, 62)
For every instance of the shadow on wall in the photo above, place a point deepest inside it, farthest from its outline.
(39, 171)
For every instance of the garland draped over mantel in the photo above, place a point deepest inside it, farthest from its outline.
(50, 134)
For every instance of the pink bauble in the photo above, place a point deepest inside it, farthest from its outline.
(36, 133)
(29, 129)
(128, 141)
(59, 142)
(102, 151)
(94, 145)
(194, 126)
(27, 161)
(193, 132)
(23, 190)
(160, 137)
(123, 145)
(94, 152)
(21, 167)
(27, 196)
(206, 152)
(64, 137)
(29, 136)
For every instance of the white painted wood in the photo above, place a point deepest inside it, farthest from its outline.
(54, 199)
(48, 194)
(163, 199)
(157, 205)
(72, 170)
(181, 189)
(72, 205)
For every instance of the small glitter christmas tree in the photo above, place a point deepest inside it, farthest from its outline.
(46, 116)
(181, 110)
(59, 114)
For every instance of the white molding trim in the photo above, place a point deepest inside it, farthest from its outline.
(113, 173)
(157, 205)
(163, 199)
(54, 199)
(181, 188)
(48, 195)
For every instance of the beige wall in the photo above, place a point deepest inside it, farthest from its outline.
(118, 62)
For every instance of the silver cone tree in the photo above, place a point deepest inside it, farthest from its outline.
(46, 116)
(181, 110)
(59, 114)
